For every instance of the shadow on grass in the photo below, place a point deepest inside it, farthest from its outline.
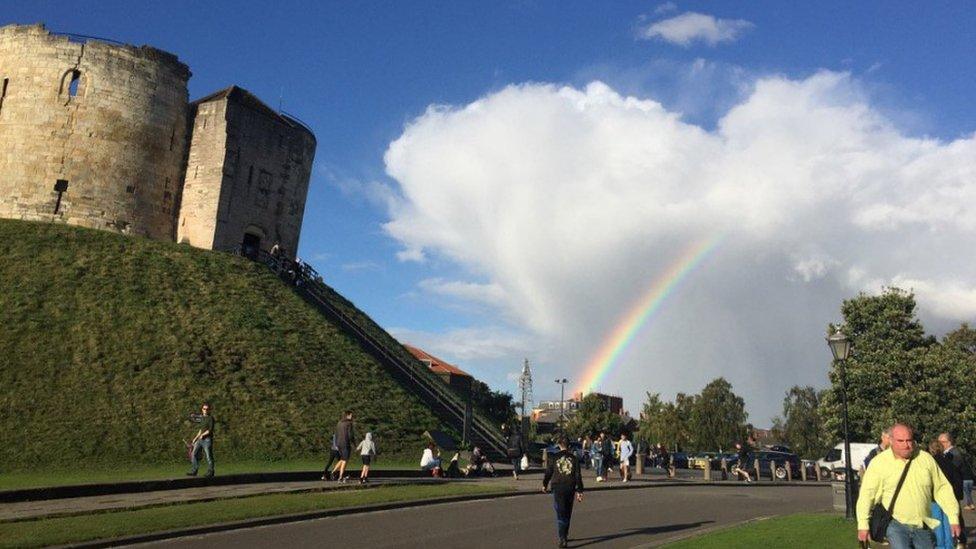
(651, 530)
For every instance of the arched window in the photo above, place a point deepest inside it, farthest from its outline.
(71, 83)
(3, 91)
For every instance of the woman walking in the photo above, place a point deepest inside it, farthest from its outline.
(626, 450)
(367, 449)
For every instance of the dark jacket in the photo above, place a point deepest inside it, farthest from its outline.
(563, 471)
(344, 433)
(960, 462)
(514, 445)
(951, 473)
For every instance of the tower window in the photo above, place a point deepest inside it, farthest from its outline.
(3, 91)
(71, 83)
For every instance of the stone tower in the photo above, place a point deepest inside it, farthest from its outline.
(246, 175)
(91, 133)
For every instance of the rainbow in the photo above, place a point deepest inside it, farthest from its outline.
(638, 315)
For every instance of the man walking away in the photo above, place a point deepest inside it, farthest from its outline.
(961, 468)
(911, 524)
(563, 478)
(333, 455)
(514, 449)
(344, 435)
(203, 441)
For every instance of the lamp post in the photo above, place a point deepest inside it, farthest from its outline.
(840, 347)
(562, 399)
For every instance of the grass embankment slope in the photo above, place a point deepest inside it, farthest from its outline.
(109, 342)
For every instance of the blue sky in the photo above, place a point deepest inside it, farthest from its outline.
(361, 73)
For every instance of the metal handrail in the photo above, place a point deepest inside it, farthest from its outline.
(312, 285)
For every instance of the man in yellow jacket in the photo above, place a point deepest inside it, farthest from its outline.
(911, 525)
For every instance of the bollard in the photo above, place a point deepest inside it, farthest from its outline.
(789, 471)
(545, 458)
(725, 469)
(640, 464)
(755, 466)
(816, 470)
(708, 470)
(671, 466)
(772, 471)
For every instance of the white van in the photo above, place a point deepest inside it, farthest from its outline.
(834, 460)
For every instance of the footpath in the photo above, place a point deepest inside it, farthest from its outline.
(32, 504)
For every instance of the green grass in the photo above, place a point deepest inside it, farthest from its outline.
(72, 476)
(807, 530)
(126, 523)
(110, 342)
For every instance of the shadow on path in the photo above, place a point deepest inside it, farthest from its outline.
(651, 530)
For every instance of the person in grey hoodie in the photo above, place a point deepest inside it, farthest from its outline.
(367, 450)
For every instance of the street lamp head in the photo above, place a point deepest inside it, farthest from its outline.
(839, 345)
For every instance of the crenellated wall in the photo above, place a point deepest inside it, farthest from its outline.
(91, 133)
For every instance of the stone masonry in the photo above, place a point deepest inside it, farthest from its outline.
(102, 135)
(247, 174)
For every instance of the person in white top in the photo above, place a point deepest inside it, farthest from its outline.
(626, 450)
(367, 449)
(429, 461)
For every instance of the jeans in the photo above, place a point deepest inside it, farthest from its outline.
(902, 536)
(516, 464)
(598, 465)
(205, 444)
(967, 491)
(562, 502)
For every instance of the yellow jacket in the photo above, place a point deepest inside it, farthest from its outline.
(924, 483)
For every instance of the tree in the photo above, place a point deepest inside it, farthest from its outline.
(664, 422)
(888, 342)
(593, 416)
(718, 417)
(497, 405)
(801, 426)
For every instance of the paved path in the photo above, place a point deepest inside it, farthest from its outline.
(110, 502)
(613, 518)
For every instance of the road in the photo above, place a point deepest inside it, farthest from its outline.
(643, 517)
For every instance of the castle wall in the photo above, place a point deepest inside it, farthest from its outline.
(248, 171)
(117, 136)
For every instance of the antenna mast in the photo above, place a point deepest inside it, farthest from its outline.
(525, 384)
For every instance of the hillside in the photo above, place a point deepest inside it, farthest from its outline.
(108, 343)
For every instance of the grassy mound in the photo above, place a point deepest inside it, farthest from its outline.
(108, 343)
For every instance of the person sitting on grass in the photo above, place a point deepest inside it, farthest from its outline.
(478, 464)
(430, 461)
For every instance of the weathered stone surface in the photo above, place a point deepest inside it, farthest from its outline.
(137, 157)
(119, 142)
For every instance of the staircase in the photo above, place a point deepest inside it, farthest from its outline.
(407, 370)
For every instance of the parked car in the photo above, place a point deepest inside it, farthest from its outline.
(767, 458)
(834, 460)
(701, 460)
(680, 460)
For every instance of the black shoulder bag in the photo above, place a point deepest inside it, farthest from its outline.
(881, 517)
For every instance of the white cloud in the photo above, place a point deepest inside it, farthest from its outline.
(467, 291)
(466, 344)
(357, 266)
(690, 27)
(569, 202)
(666, 7)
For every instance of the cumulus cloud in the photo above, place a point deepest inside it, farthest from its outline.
(691, 27)
(568, 203)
